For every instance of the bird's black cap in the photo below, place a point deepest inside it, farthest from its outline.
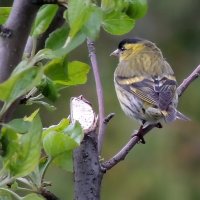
(129, 41)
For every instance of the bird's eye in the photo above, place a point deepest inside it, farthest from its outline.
(122, 49)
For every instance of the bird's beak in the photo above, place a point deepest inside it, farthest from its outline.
(115, 53)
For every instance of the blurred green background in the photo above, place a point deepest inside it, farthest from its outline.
(167, 167)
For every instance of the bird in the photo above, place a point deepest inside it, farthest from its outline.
(145, 84)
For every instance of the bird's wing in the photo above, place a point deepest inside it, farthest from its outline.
(155, 90)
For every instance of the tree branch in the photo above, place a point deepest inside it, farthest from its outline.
(87, 169)
(19, 23)
(121, 155)
(99, 90)
(47, 194)
(186, 82)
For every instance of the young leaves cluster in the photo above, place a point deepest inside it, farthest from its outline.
(43, 74)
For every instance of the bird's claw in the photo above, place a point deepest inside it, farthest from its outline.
(141, 138)
(159, 125)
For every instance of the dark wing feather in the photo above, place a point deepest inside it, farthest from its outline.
(157, 91)
(166, 89)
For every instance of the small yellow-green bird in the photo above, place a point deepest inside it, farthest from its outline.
(145, 83)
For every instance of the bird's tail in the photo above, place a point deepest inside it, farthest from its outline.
(181, 116)
(169, 115)
(173, 114)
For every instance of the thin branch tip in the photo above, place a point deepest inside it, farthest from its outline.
(187, 81)
(99, 91)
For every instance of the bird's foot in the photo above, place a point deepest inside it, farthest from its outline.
(139, 135)
(142, 141)
(159, 125)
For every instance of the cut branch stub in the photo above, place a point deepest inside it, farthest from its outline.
(88, 173)
(81, 111)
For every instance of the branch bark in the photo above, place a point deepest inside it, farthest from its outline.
(121, 155)
(87, 170)
(99, 90)
(186, 82)
(47, 194)
(12, 48)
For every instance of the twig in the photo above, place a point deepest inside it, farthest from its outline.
(186, 82)
(121, 155)
(126, 149)
(93, 59)
(47, 194)
(108, 118)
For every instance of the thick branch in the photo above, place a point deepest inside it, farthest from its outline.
(12, 48)
(87, 168)
(99, 90)
(121, 155)
(87, 171)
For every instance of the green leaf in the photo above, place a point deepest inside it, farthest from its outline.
(57, 69)
(33, 197)
(78, 13)
(43, 19)
(114, 5)
(71, 44)
(48, 89)
(56, 143)
(42, 103)
(75, 132)
(18, 85)
(5, 194)
(137, 8)
(22, 152)
(65, 161)
(108, 5)
(63, 73)
(117, 23)
(5, 11)
(47, 54)
(68, 47)
(32, 116)
(59, 127)
(92, 27)
(14, 185)
(21, 67)
(18, 125)
(9, 142)
(62, 138)
(57, 38)
(76, 74)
